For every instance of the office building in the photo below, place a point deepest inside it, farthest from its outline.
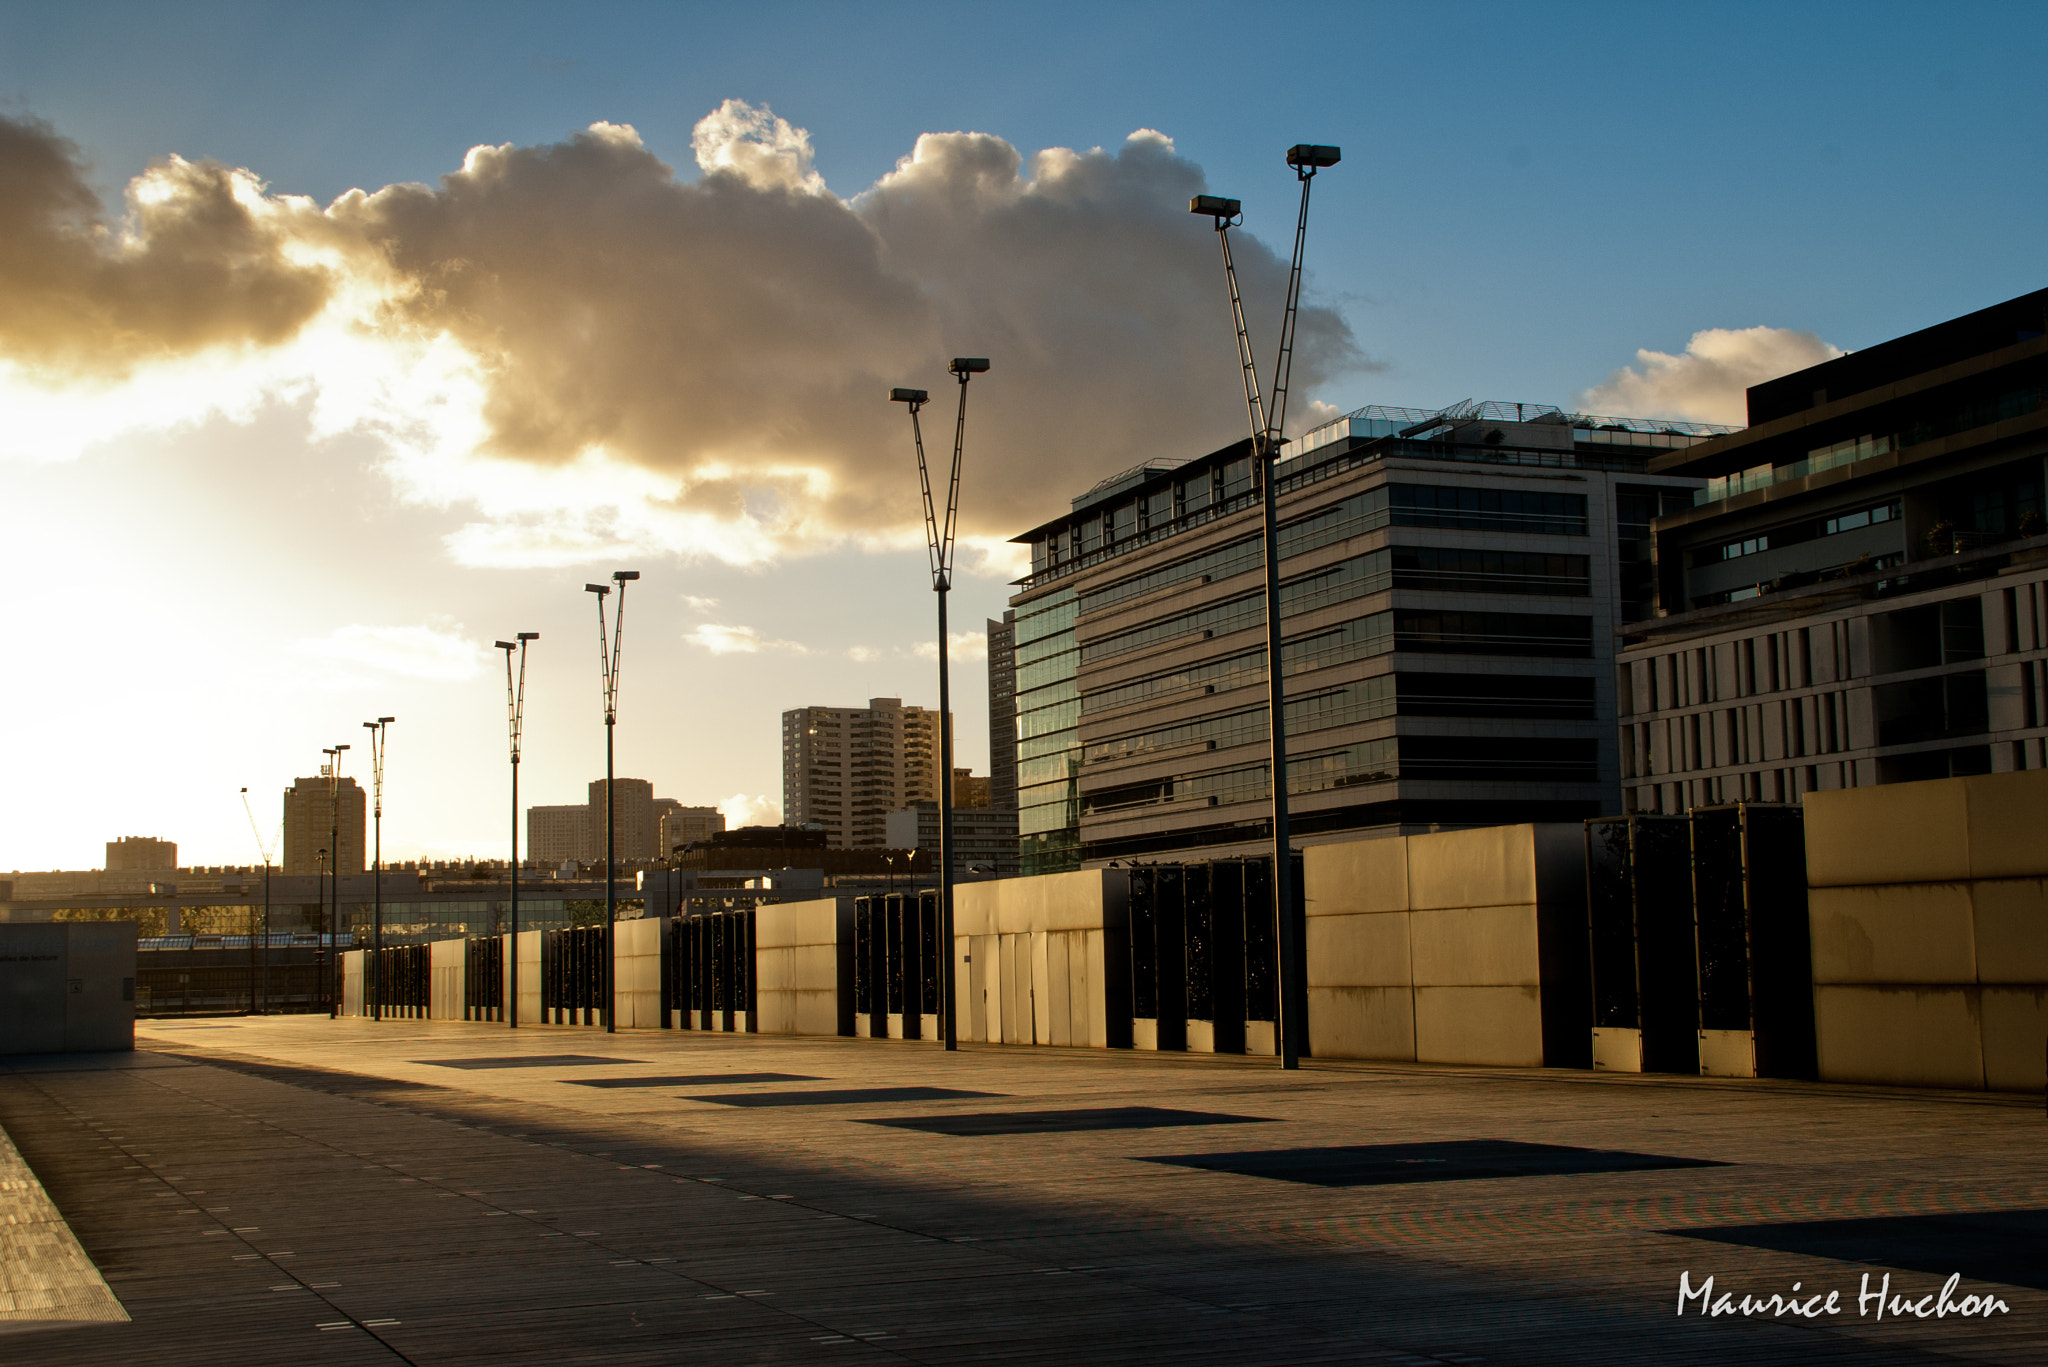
(559, 833)
(1859, 593)
(140, 853)
(682, 826)
(984, 838)
(1002, 711)
(845, 769)
(309, 821)
(970, 789)
(1450, 586)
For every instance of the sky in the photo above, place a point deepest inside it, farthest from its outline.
(338, 342)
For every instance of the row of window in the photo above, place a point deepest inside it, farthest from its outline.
(1506, 759)
(1795, 533)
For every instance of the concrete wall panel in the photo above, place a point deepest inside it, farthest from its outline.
(1899, 1035)
(99, 986)
(1476, 946)
(2012, 929)
(1361, 1022)
(1485, 867)
(1893, 933)
(1499, 1026)
(2015, 1033)
(2008, 824)
(1356, 876)
(1369, 950)
(32, 987)
(447, 971)
(1897, 833)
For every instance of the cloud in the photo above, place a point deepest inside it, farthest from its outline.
(724, 640)
(691, 600)
(961, 645)
(863, 654)
(1707, 382)
(742, 810)
(424, 652)
(599, 358)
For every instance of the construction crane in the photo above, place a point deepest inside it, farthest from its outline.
(1267, 422)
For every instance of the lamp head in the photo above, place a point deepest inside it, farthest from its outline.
(369, 726)
(386, 721)
(339, 748)
(1215, 206)
(529, 636)
(625, 575)
(506, 645)
(599, 589)
(968, 365)
(909, 396)
(1313, 156)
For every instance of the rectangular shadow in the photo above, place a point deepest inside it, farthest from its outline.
(849, 1096)
(1064, 1122)
(526, 1061)
(1455, 1160)
(688, 1080)
(2009, 1246)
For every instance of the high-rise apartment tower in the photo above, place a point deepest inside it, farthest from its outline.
(847, 768)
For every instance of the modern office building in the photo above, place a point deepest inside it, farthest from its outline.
(984, 838)
(1450, 586)
(309, 821)
(845, 769)
(682, 825)
(1859, 594)
(555, 834)
(141, 853)
(1002, 711)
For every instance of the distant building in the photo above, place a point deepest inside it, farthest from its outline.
(796, 847)
(135, 853)
(682, 826)
(555, 834)
(969, 790)
(1002, 711)
(309, 822)
(1859, 595)
(984, 838)
(846, 768)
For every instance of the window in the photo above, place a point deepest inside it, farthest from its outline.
(1482, 571)
(1501, 759)
(1486, 510)
(1424, 694)
(1495, 633)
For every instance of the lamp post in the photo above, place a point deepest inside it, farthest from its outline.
(939, 546)
(320, 885)
(515, 708)
(608, 663)
(376, 975)
(263, 954)
(334, 876)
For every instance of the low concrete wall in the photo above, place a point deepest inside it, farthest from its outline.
(1928, 905)
(447, 982)
(529, 977)
(637, 949)
(1044, 960)
(803, 967)
(1459, 947)
(67, 986)
(352, 968)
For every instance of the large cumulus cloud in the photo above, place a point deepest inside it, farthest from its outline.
(600, 355)
(1709, 381)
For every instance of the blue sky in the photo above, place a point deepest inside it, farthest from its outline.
(1529, 195)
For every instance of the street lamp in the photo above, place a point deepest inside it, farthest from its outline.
(378, 740)
(262, 955)
(608, 663)
(515, 708)
(939, 546)
(333, 767)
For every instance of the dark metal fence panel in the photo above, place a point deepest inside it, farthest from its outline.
(1144, 921)
(1233, 883)
(1723, 923)
(1660, 875)
(1611, 915)
(927, 945)
(1781, 967)
(1203, 949)
(224, 989)
(483, 978)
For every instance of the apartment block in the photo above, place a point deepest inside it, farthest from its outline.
(138, 853)
(1858, 594)
(310, 817)
(846, 768)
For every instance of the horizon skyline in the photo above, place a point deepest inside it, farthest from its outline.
(327, 370)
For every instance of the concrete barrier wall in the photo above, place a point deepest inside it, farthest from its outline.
(1044, 960)
(1457, 947)
(637, 948)
(448, 972)
(67, 987)
(803, 967)
(352, 981)
(1928, 905)
(529, 977)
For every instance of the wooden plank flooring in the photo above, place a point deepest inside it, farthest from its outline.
(302, 1190)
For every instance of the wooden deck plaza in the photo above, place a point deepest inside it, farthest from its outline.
(304, 1191)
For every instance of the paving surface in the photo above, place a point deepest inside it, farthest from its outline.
(307, 1191)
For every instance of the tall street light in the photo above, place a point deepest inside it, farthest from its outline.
(515, 709)
(608, 664)
(378, 740)
(263, 954)
(939, 547)
(1267, 423)
(334, 875)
